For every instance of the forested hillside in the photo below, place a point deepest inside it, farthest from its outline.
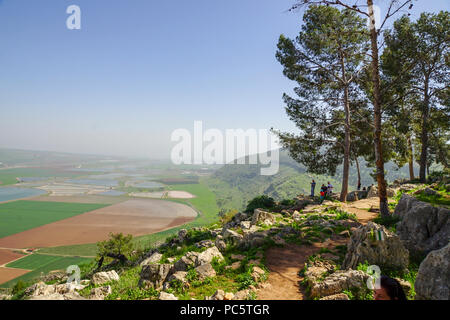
(234, 185)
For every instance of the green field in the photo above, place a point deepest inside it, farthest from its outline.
(8, 176)
(204, 203)
(18, 216)
(39, 263)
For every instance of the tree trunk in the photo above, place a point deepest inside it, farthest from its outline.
(424, 137)
(346, 168)
(384, 209)
(411, 159)
(359, 172)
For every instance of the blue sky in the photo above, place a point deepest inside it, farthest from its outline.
(139, 69)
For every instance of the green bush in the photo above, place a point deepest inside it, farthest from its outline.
(288, 202)
(263, 202)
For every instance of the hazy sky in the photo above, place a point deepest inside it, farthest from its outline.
(139, 69)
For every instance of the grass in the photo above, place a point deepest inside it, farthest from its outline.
(8, 176)
(442, 198)
(41, 264)
(22, 215)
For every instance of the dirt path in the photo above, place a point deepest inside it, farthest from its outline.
(285, 263)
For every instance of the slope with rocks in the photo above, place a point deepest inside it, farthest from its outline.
(304, 250)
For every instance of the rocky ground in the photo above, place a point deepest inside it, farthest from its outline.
(301, 251)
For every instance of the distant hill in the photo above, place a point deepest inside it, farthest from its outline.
(234, 185)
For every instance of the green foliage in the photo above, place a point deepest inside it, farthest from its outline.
(19, 287)
(287, 202)
(389, 222)
(245, 280)
(439, 199)
(263, 202)
(322, 60)
(117, 244)
(192, 275)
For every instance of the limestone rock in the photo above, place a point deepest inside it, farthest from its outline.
(204, 244)
(182, 235)
(422, 228)
(220, 244)
(339, 296)
(318, 270)
(104, 277)
(257, 273)
(154, 258)
(232, 235)
(218, 295)
(373, 192)
(352, 196)
(260, 216)
(186, 261)
(100, 293)
(364, 246)
(166, 296)
(205, 271)
(245, 224)
(154, 275)
(242, 295)
(178, 276)
(433, 278)
(296, 216)
(234, 266)
(228, 296)
(208, 255)
(338, 282)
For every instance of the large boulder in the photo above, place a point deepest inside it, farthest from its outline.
(154, 258)
(433, 278)
(232, 235)
(186, 261)
(205, 271)
(373, 192)
(42, 291)
(208, 255)
(338, 282)
(154, 275)
(352, 196)
(317, 271)
(422, 228)
(376, 245)
(260, 216)
(104, 277)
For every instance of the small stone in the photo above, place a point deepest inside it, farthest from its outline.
(166, 296)
(228, 296)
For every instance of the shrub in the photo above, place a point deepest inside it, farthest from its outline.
(263, 202)
(288, 202)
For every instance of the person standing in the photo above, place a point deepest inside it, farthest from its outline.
(323, 192)
(329, 189)
(359, 186)
(313, 186)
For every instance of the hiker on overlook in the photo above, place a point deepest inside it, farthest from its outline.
(329, 189)
(313, 186)
(323, 192)
(390, 289)
(359, 186)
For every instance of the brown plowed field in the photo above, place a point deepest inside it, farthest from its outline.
(8, 256)
(137, 217)
(7, 274)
